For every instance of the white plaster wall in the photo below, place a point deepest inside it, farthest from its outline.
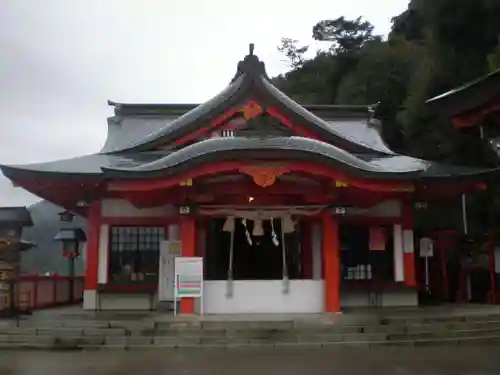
(264, 296)
(89, 299)
(386, 299)
(174, 232)
(123, 301)
(103, 255)
(123, 208)
(399, 273)
(408, 241)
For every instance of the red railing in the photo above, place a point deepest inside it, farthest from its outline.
(38, 292)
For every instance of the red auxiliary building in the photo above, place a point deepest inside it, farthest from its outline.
(294, 209)
(474, 108)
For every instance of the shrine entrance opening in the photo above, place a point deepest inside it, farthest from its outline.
(255, 260)
(258, 251)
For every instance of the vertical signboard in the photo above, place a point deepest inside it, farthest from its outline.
(169, 250)
(426, 252)
(188, 279)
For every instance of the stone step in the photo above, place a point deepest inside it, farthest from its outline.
(79, 343)
(412, 319)
(272, 330)
(344, 319)
(77, 339)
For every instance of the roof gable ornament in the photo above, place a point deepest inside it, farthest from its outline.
(250, 65)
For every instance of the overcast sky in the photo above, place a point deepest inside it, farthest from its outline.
(61, 60)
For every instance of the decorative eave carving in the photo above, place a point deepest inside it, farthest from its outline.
(264, 175)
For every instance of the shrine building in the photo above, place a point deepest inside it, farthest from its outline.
(293, 208)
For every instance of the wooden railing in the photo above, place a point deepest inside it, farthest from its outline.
(38, 292)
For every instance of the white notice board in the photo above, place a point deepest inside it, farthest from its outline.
(426, 247)
(189, 279)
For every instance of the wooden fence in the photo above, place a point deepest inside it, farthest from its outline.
(39, 292)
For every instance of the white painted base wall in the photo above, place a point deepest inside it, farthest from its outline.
(386, 299)
(120, 301)
(89, 299)
(264, 296)
(256, 296)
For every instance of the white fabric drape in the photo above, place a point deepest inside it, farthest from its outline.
(286, 281)
(229, 284)
(284, 213)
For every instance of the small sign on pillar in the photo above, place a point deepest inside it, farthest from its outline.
(185, 210)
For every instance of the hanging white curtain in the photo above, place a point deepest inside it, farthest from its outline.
(229, 226)
(285, 279)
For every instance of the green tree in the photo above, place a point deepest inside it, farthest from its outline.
(293, 52)
(494, 58)
(345, 35)
(365, 83)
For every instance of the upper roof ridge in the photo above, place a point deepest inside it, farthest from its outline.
(251, 65)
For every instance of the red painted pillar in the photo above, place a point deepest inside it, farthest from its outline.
(188, 243)
(331, 261)
(408, 254)
(92, 256)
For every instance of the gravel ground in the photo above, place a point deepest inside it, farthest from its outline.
(379, 361)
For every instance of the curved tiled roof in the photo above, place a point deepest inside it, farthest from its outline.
(296, 148)
(468, 96)
(351, 144)
(251, 76)
(162, 163)
(188, 122)
(15, 215)
(361, 131)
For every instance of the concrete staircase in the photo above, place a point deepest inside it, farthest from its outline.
(72, 334)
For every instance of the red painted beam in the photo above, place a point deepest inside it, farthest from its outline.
(476, 116)
(221, 121)
(279, 188)
(222, 167)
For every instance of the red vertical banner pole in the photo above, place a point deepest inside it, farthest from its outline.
(188, 244)
(93, 231)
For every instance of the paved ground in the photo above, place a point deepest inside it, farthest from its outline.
(354, 361)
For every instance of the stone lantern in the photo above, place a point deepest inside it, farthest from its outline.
(71, 239)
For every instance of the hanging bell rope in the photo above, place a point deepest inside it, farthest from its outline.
(229, 284)
(247, 233)
(274, 236)
(286, 281)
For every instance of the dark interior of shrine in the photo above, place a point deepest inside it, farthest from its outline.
(254, 257)
(359, 262)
